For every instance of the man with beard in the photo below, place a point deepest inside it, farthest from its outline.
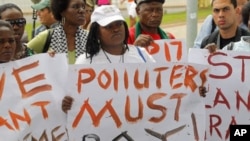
(225, 17)
(147, 29)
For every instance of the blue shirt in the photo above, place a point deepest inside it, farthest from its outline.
(43, 27)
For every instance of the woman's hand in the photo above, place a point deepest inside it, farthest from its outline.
(67, 103)
(212, 47)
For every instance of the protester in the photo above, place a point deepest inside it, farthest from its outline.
(14, 15)
(209, 25)
(244, 43)
(107, 40)
(7, 42)
(68, 37)
(225, 17)
(89, 8)
(45, 15)
(130, 4)
(107, 43)
(147, 29)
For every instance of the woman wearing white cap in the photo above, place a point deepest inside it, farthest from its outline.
(107, 43)
(107, 40)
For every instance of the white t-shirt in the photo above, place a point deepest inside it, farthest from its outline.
(132, 55)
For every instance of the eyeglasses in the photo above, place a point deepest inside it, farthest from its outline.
(19, 22)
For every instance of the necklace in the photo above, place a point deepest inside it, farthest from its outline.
(121, 57)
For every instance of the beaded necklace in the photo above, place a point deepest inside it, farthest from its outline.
(121, 57)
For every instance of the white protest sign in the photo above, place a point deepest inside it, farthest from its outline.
(146, 102)
(228, 99)
(30, 92)
(168, 50)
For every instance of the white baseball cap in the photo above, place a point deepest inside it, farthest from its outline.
(106, 14)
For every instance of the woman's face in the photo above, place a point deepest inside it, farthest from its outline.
(113, 34)
(17, 20)
(75, 13)
(88, 12)
(7, 44)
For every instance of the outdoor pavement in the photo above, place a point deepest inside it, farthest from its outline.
(179, 29)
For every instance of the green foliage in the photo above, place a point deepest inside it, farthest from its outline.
(29, 28)
(181, 16)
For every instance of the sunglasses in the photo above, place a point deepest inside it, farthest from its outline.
(19, 22)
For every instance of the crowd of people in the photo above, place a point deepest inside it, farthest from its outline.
(61, 32)
(228, 22)
(92, 33)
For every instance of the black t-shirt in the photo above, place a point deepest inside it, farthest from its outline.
(224, 42)
(213, 38)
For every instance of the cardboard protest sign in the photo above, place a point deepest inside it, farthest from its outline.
(30, 92)
(168, 50)
(149, 102)
(228, 99)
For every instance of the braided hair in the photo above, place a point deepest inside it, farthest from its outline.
(93, 44)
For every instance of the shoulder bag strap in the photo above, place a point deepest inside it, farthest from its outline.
(140, 53)
(47, 43)
(230, 46)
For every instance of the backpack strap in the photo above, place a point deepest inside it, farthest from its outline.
(213, 26)
(140, 53)
(230, 46)
(48, 39)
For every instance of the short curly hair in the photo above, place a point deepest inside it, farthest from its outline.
(58, 6)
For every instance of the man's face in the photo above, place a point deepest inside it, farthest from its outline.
(45, 16)
(150, 14)
(224, 14)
